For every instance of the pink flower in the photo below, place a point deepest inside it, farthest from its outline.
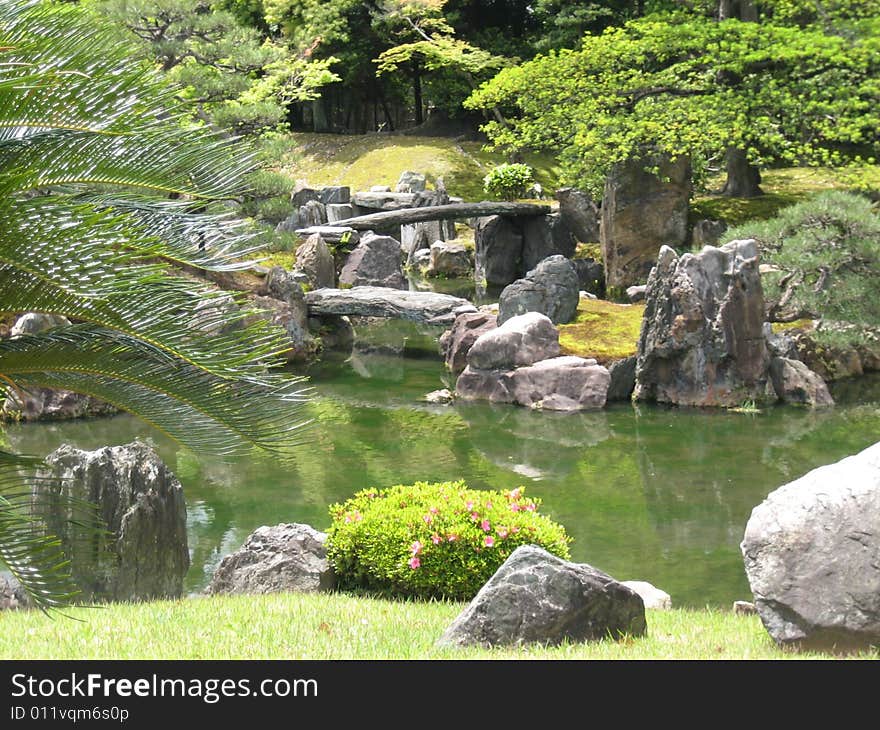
(485, 525)
(428, 519)
(530, 506)
(514, 493)
(488, 505)
(358, 516)
(502, 533)
(451, 537)
(514, 529)
(488, 541)
(514, 507)
(475, 516)
(469, 505)
(433, 510)
(347, 519)
(414, 562)
(416, 548)
(436, 539)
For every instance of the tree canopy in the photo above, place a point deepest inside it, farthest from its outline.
(686, 84)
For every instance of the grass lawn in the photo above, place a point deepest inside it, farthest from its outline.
(361, 161)
(782, 188)
(341, 626)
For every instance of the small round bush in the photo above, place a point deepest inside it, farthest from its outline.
(439, 540)
(509, 181)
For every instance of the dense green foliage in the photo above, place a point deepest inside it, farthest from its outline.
(233, 75)
(825, 254)
(439, 540)
(104, 191)
(681, 83)
(509, 181)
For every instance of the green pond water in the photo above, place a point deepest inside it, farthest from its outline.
(647, 493)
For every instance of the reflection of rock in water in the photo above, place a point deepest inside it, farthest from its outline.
(379, 365)
(397, 337)
(529, 443)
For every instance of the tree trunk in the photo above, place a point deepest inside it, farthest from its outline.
(417, 91)
(744, 10)
(743, 179)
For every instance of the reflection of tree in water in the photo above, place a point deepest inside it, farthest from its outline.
(532, 444)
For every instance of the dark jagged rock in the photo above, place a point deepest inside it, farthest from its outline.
(551, 288)
(702, 341)
(640, 213)
(143, 554)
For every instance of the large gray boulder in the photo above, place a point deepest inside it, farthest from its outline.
(282, 558)
(314, 259)
(522, 340)
(565, 383)
(335, 195)
(143, 553)
(702, 341)
(457, 341)
(580, 213)
(640, 213)
(812, 556)
(376, 261)
(498, 246)
(411, 182)
(544, 236)
(551, 288)
(795, 383)
(313, 213)
(537, 597)
(286, 307)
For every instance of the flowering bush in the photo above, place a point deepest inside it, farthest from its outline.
(439, 540)
(509, 181)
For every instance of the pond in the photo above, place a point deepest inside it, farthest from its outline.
(646, 492)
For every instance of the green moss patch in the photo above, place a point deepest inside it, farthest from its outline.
(602, 330)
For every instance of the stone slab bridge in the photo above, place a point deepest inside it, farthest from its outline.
(379, 301)
(452, 211)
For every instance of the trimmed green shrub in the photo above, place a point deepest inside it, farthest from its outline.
(439, 540)
(509, 181)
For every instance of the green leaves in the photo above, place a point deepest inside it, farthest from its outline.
(680, 83)
(104, 190)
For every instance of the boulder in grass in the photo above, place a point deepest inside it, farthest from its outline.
(536, 597)
(812, 556)
(281, 558)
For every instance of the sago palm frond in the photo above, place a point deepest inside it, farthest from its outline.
(103, 187)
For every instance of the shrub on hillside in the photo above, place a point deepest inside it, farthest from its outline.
(824, 257)
(509, 181)
(439, 540)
